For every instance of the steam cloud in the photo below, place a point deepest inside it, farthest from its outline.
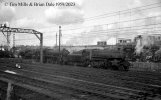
(6, 14)
(144, 41)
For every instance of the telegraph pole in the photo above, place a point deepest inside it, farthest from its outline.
(59, 38)
(8, 40)
(56, 39)
(41, 48)
(13, 43)
(60, 57)
(118, 27)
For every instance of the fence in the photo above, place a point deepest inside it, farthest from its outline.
(145, 66)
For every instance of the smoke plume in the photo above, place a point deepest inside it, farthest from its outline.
(143, 41)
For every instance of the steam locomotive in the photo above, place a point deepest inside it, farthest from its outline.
(106, 59)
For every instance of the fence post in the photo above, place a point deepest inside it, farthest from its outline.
(9, 90)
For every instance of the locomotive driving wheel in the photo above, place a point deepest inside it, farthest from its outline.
(86, 63)
(121, 68)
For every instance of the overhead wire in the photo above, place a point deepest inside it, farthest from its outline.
(105, 15)
(114, 13)
(138, 27)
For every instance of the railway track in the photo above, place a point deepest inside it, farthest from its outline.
(101, 90)
(75, 73)
(45, 72)
(148, 87)
(129, 76)
(86, 75)
(147, 75)
(53, 90)
(125, 81)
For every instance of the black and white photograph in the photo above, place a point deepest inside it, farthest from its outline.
(80, 50)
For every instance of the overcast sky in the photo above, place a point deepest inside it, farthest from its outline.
(86, 22)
